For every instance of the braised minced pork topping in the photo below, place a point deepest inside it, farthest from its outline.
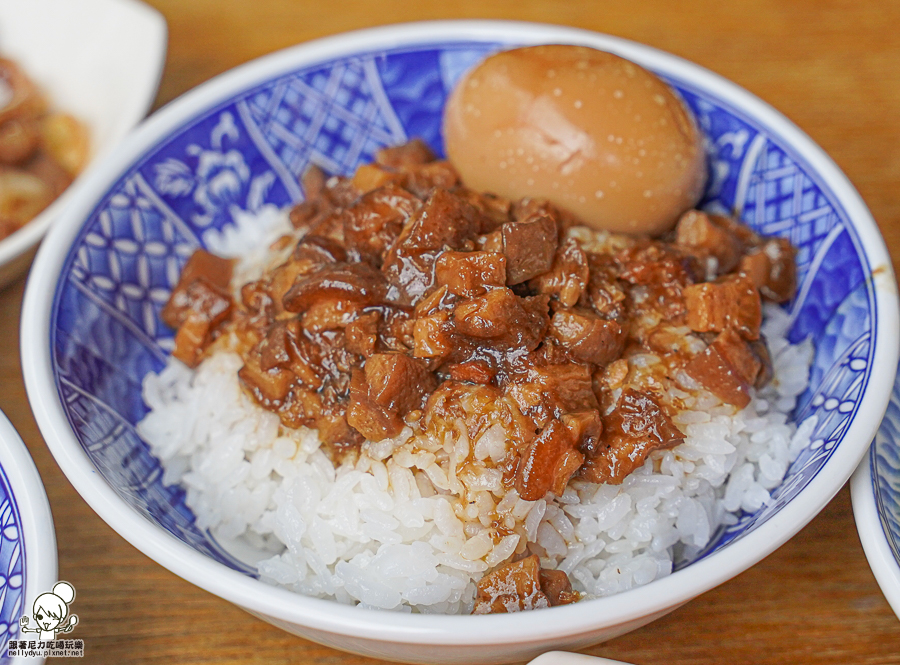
(401, 283)
(400, 290)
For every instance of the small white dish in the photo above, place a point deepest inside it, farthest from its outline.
(99, 60)
(27, 538)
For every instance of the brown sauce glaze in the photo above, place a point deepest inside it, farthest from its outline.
(400, 284)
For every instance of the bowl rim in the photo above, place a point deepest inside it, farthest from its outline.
(37, 532)
(22, 240)
(653, 599)
(870, 528)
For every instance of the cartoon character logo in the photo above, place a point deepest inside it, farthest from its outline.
(50, 610)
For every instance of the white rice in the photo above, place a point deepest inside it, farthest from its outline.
(408, 526)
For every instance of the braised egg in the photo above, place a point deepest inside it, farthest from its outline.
(593, 133)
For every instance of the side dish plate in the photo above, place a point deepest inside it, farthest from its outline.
(99, 60)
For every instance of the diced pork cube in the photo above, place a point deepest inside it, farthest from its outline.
(587, 336)
(548, 463)
(633, 429)
(731, 302)
(468, 274)
(727, 368)
(511, 588)
(529, 248)
(704, 235)
(390, 386)
(772, 268)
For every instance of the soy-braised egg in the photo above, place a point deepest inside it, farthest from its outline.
(593, 133)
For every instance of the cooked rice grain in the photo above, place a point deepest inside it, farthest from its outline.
(385, 531)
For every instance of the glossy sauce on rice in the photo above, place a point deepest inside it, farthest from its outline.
(581, 408)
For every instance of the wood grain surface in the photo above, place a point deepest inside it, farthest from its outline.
(832, 67)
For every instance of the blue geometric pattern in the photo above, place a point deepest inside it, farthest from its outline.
(251, 150)
(884, 456)
(12, 565)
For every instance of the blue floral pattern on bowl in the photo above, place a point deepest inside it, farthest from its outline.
(12, 565)
(884, 456)
(250, 151)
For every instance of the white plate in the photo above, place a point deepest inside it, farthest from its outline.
(99, 60)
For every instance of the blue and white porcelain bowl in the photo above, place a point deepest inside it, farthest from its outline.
(875, 490)
(91, 325)
(27, 538)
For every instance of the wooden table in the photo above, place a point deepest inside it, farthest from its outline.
(832, 66)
